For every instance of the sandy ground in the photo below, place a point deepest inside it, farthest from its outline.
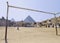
(30, 35)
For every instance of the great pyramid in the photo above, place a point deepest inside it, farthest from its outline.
(29, 20)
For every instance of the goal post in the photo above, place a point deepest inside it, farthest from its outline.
(9, 6)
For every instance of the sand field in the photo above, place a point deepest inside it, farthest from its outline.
(30, 35)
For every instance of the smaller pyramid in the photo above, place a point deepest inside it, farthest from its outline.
(29, 20)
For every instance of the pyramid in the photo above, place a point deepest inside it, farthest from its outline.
(29, 20)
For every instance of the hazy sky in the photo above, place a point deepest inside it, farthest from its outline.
(18, 14)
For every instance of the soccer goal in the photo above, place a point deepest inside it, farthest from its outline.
(22, 8)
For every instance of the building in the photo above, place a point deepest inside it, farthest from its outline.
(3, 22)
(51, 22)
(28, 22)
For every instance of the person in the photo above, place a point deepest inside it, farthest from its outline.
(17, 27)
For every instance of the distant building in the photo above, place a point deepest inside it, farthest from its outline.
(3, 22)
(51, 22)
(28, 22)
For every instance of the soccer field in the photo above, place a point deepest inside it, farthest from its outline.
(29, 35)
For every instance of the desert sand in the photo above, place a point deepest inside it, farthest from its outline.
(30, 35)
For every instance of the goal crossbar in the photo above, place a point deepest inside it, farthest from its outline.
(30, 9)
